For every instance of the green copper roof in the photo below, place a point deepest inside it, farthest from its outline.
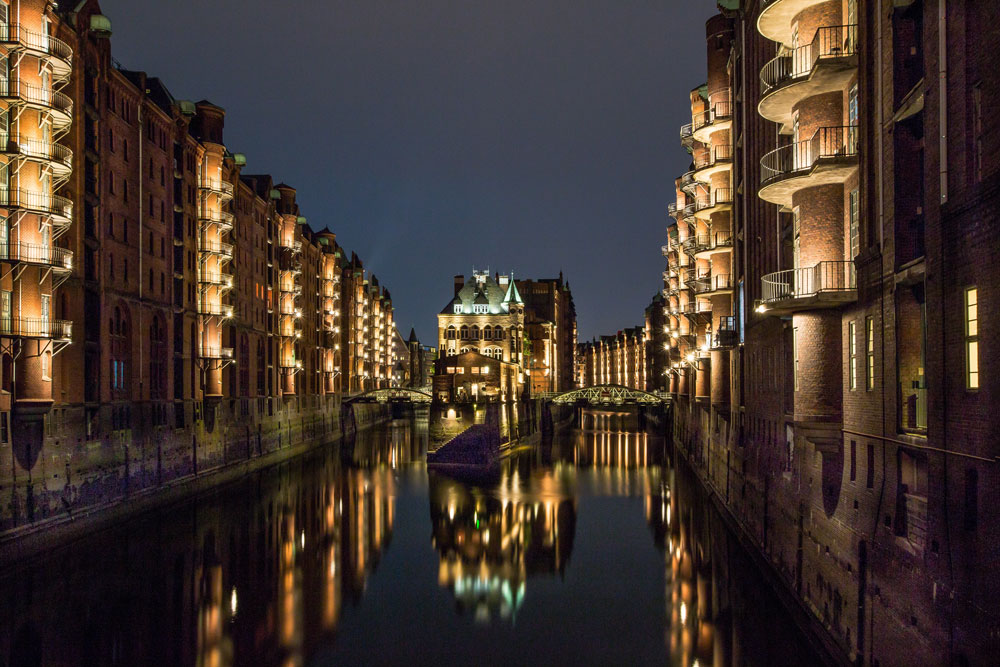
(512, 294)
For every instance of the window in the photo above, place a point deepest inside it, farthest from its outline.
(870, 472)
(869, 353)
(855, 224)
(458, 308)
(480, 308)
(796, 239)
(854, 460)
(463, 333)
(852, 356)
(972, 338)
(852, 105)
(795, 356)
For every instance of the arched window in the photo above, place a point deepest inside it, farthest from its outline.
(244, 365)
(450, 333)
(475, 332)
(463, 333)
(487, 333)
(498, 332)
(157, 359)
(121, 354)
(464, 350)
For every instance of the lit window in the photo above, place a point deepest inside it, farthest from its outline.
(795, 356)
(458, 308)
(869, 353)
(972, 338)
(852, 353)
(855, 224)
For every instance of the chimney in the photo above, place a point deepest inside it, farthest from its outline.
(459, 283)
(504, 281)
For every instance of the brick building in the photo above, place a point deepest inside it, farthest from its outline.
(550, 327)
(153, 293)
(824, 280)
(619, 359)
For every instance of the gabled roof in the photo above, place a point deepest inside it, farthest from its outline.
(513, 296)
(480, 290)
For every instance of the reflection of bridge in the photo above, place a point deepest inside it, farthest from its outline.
(606, 394)
(392, 395)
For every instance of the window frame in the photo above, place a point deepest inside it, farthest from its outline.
(869, 353)
(971, 342)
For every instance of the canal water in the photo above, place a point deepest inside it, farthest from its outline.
(593, 548)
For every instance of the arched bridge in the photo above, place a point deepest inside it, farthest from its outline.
(607, 394)
(391, 395)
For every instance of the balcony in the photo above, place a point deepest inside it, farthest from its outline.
(215, 352)
(58, 105)
(830, 156)
(59, 259)
(216, 309)
(687, 135)
(776, 18)
(718, 283)
(221, 189)
(60, 209)
(718, 117)
(827, 285)
(716, 201)
(56, 156)
(824, 65)
(36, 327)
(688, 182)
(219, 218)
(672, 209)
(697, 309)
(716, 159)
(216, 278)
(725, 334)
(215, 248)
(57, 53)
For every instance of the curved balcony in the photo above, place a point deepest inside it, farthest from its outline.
(672, 209)
(829, 156)
(688, 182)
(57, 53)
(698, 309)
(716, 283)
(221, 189)
(824, 65)
(716, 159)
(775, 18)
(215, 248)
(704, 246)
(58, 105)
(706, 123)
(725, 334)
(56, 156)
(718, 200)
(216, 309)
(60, 209)
(687, 135)
(220, 218)
(216, 278)
(60, 259)
(36, 327)
(215, 352)
(699, 283)
(825, 285)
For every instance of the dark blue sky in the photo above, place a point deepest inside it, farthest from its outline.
(432, 136)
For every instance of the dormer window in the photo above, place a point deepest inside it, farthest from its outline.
(480, 309)
(458, 309)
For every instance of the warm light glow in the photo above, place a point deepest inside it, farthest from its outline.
(232, 601)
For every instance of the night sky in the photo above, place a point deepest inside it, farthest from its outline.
(432, 136)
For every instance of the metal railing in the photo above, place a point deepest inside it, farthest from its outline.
(14, 144)
(36, 327)
(36, 201)
(36, 253)
(16, 89)
(725, 334)
(672, 209)
(216, 278)
(217, 248)
(716, 154)
(829, 276)
(14, 33)
(688, 181)
(686, 132)
(217, 187)
(216, 309)
(220, 218)
(825, 143)
(835, 41)
(721, 110)
(215, 352)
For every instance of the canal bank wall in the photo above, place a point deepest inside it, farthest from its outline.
(524, 422)
(75, 484)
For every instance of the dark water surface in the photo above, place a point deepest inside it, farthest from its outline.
(591, 549)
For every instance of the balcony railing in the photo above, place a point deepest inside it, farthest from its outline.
(830, 276)
(221, 218)
(216, 309)
(14, 33)
(716, 154)
(217, 187)
(36, 327)
(721, 110)
(13, 144)
(36, 253)
(215, 352)
(217, 248)
(33, 200)
(829, 42)
(688, 181)
(16, 89)
(725, 334)
(825, 143)
(216, 278)
(686, 132)
(672, 209)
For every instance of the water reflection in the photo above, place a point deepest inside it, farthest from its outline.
(606, 550)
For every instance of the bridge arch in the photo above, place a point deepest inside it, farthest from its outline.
(608, 394)
(391, 395)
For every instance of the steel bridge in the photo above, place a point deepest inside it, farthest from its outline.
(391, 395)
(606, 394)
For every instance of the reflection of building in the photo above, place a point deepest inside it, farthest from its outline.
(619, 359)
(550, 328)
(489, 545)
(828, 282)
(481, 330)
